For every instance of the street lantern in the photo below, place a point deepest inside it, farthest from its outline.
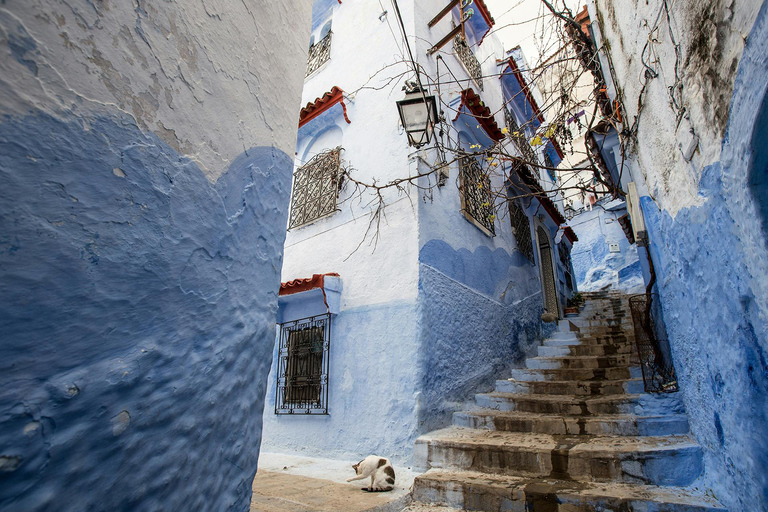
(418, 114)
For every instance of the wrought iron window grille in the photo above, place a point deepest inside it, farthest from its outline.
(302, 366)
(652, 344)
(319, 53)
(521, 228)
(565, 259)
(518, 137)
(468, 60)
(316, 187)
(476, 197)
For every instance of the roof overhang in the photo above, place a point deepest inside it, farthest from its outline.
(322, 104)
(475, 107)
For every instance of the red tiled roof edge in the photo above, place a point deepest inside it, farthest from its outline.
(524, 86)
(306, 284)
(570, 235)
(480, 112)
(320, 105)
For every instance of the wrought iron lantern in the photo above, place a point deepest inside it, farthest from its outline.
(418, 114)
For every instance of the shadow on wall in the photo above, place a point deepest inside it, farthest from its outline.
(137, 305)
(758, 170)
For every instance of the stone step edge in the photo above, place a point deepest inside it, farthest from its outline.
(541, 443)
(567, 491)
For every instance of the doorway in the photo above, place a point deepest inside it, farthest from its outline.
(547, 272)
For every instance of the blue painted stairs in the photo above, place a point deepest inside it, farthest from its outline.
(573, 431)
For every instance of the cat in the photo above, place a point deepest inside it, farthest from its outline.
(379, 469)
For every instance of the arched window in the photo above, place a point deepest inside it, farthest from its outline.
(325, 30)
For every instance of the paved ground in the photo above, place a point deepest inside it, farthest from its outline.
(286, 483)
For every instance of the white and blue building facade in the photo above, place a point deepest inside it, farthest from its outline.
(437, 293)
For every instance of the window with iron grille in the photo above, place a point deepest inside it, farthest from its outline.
(476, 198)
(521, 229)
(316, 188)
(319, 53)
(302, 366)
(469, 61)
(565, 259)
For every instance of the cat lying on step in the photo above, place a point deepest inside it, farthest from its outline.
(379, 469)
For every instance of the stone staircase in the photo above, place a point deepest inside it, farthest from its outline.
(573, 431)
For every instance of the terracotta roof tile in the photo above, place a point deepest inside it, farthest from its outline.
(303, 285)
(320, 105)
(481, 112)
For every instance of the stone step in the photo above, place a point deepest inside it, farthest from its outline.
(471, 490)
(590, 341)
(636, 460)
(527, 374)
(605, 425)
(584, 350)
(554, 363)
(571, 387)
(582, 406)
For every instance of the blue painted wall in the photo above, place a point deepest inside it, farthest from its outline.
(468, 341)
(137, 306)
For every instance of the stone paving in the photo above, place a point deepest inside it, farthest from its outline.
(287, 483)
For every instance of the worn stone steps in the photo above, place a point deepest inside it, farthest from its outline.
(584, 350)
(573, 431)
(627, 459)
(571, 387)
(589, 340)
(559, 424)
(580, 405)
(582, 374)
(554, 363)
(472, 490)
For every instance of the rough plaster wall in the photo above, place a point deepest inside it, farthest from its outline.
(713, 280)
(595, 266)
(144, 188)
(711, 37)
(201, 75)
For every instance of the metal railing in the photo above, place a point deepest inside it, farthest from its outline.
(468, 59)
(316, 188)
(652, 344)
(302, 366)
(319, 53)
(476, 197)
(518, 137)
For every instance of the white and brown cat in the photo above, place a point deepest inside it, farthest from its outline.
(379, 469)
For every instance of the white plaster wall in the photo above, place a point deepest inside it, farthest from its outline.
(158, 64)
(711, 36)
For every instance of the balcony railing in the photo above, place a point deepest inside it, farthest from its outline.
(652, 344)
(468, 59)
(319, 53)
(518, 137)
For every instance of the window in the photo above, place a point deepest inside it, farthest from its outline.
(521, 229)
(320, 52)
(476, 198)
(316, 188)
(302, 371)
(565, 259)
(469, 61)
